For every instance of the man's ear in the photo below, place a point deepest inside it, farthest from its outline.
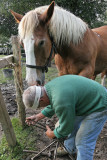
(41, 99)
(17, 16)
(47, 15)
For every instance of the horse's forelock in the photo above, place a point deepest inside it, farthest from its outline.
(28, 23)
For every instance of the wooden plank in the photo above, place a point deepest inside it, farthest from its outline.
(6, 61)
(6, 123)
(18, 78)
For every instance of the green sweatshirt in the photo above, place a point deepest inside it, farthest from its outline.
(71, 96)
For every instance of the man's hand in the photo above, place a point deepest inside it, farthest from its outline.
(49, 132)
(33, 119)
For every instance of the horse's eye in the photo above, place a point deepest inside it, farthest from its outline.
(41, 43)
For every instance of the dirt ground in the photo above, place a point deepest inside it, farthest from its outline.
(8, 91)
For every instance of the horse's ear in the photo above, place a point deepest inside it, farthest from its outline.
(17, 16)
(46, 16)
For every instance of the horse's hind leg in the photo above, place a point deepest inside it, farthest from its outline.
(103, 78)
(103, 81)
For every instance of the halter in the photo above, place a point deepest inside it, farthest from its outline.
(45, 67)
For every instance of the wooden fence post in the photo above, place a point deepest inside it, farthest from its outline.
(18, 78)
(6, 123)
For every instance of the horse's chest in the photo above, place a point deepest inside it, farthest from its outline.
(71, 64)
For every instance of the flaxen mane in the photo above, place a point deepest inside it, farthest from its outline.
(64, 26)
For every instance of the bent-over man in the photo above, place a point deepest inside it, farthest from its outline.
(81, 107)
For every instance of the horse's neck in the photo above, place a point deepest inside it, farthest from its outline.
(63, 51)
(72, 50)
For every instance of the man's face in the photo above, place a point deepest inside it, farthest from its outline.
(41, 102)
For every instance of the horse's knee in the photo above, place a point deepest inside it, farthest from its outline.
(87, 72)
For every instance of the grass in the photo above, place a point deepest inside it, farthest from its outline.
(4, 80)
(51, 74)
(26, 138)
(1, 56)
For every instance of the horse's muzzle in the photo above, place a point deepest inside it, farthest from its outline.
(39, 82)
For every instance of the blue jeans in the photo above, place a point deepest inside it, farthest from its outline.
(84, 136)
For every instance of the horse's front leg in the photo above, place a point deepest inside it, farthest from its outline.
(62, 72)
(60, 65)
(87, 72)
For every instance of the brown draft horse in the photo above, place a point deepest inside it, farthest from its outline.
(50, 29)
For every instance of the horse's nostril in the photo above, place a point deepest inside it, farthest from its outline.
(38, 82)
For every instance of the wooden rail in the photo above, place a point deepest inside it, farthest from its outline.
(6, 61)
(14, 61)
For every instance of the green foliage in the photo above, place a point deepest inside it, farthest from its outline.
(3, 40)
(91, 11)
(8, 25)
(26, 138)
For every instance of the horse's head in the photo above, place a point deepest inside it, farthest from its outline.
(34, 35)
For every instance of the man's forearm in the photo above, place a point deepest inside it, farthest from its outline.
(35, 118)
(40, 116)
